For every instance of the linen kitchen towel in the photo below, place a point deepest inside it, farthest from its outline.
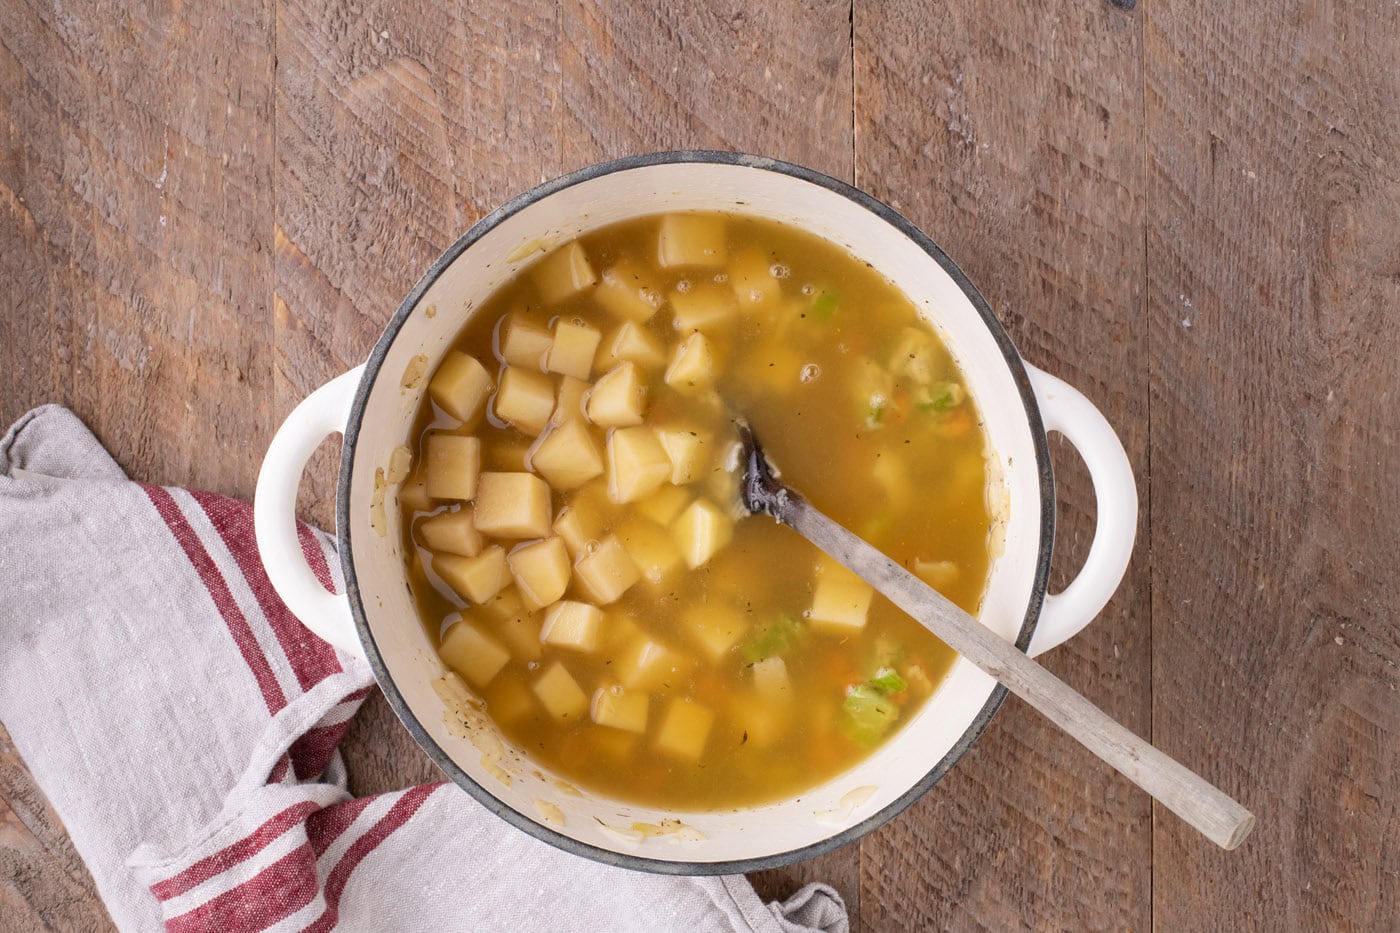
(184, 725)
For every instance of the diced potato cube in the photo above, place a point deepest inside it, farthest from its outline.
(525, 399)
(472, 653)
(692, 366)
(475, 578)
(541, 571)
(618, 398)
(840, 600)
(692, 240)
(514, 624)
(773, 367)
(715, 627)
(451, 532)
(563, 273)
(577, 524)
(891, 473)
(938, 574)
(620, 709)
(700, 531)
(607, 572)
(703, 307)
(637, 464)
(647, 664)
(560, 693)
(755, 715)
(651, 549)
(460, 386)
(663, 505)
(770, 679)
(575, 345)
(512, 505)
(627, 292)
(755, 286)
(630, 343)
(567, 456)
(454, 463)
(524, 344)
(685, 729)
(504, 605)
(569, 404)
(413, 494)
(572, 624)
(508, 699)
(620, 632)
(689, 452)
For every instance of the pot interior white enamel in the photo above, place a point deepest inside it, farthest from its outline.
(405, 661)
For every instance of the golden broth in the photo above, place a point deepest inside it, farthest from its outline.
(852, 396)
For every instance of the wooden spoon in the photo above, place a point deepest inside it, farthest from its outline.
(1220, 818)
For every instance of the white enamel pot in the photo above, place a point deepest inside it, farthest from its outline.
(373, 409)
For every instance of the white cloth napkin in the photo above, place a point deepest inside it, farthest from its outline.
(184, 725)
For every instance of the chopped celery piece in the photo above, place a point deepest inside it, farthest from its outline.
(825, 306)
(773, 640)
(887, 680)
(869, 714)
(941, 396)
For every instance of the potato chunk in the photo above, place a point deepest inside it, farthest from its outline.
(628, 292)
(572, 624)
(692, 240)
(524, 344)
(413, 494)
(689, 452)
(618, 399)
(685, 729)
(560, 693)
(692, 367)
(472, 653)
(575, 345)
(452, 533)
(508, 699)
(474, 578)
(525, 399)
(651, 549)
(841, 600)
(607, 572)
(700, 531)
(569, 403)
(567, 456)
(512, 505)
(751, 277)
(715, 627)
(620, 709)
(515, 625)
(454, 462)
(541, 571)
(703, 307)
(563, 273)
(663, 505)
(630, 344)
(647, 664)
(460, 386)
(577, 524)
(637, 464)
(770, 679)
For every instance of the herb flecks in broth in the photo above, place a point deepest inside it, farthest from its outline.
(570, 516)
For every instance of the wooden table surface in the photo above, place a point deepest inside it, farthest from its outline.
(1188, 209)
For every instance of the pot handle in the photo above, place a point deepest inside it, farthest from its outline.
(322, 413)
(1065, 410)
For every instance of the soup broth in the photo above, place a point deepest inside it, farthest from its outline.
(571, 520)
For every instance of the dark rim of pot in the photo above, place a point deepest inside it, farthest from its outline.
(395, 697)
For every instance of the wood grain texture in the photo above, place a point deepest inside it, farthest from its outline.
(1274, 283)
(1014, 138)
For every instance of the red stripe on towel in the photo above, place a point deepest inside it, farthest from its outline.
(398, 814)
(218, 591)
(278, 891)
(311, 659)
(234, 853)
(325, 826)
(311, 550)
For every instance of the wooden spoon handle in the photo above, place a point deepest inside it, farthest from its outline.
(1219, 817)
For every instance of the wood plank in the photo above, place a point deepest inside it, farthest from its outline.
(135, 278)
(1015, 140)
(1274, 279)
(395, 133)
